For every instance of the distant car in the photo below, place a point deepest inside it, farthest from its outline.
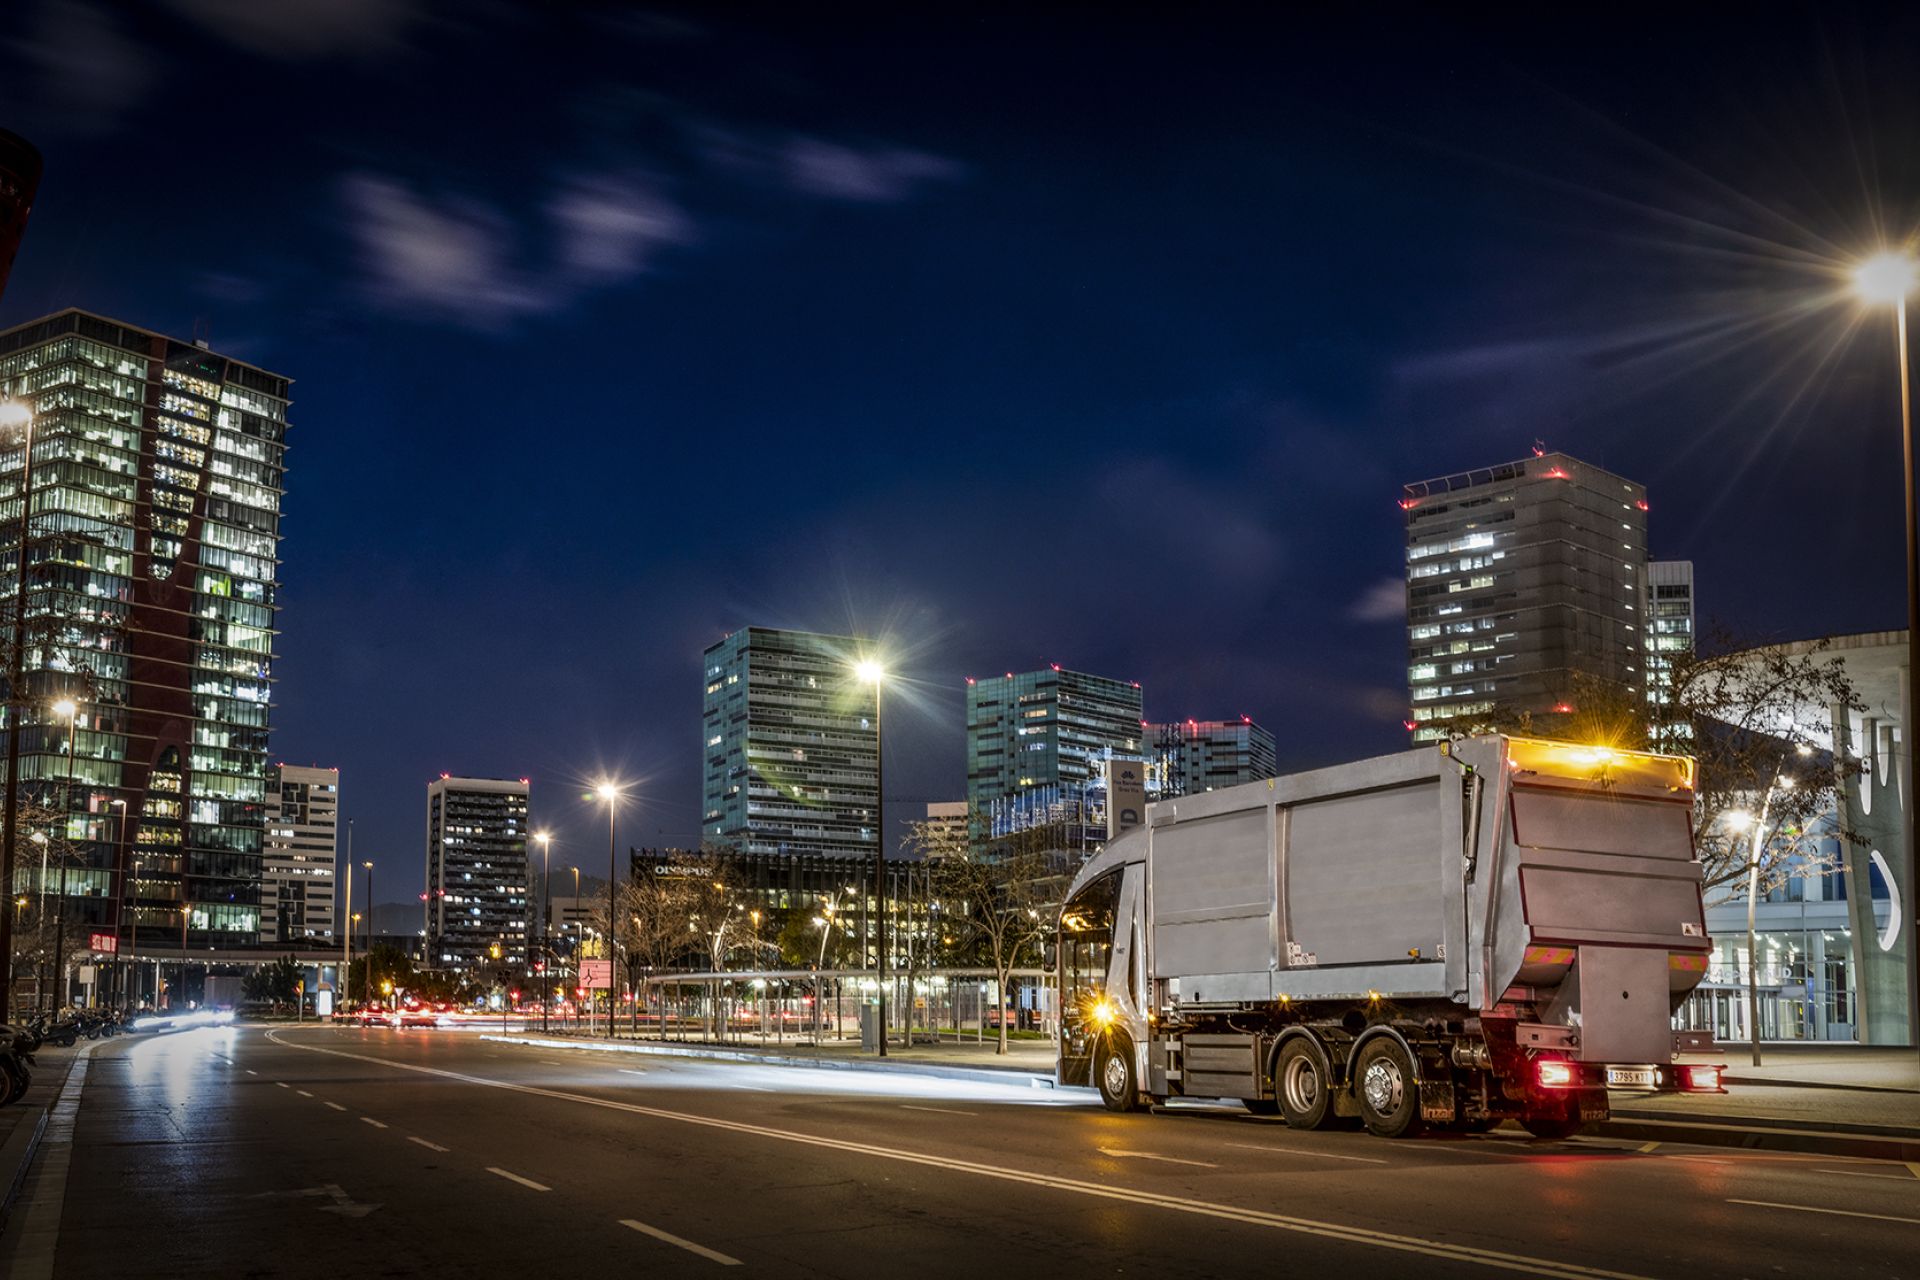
(419, 1018)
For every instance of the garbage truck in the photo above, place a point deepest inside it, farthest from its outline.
(1485, 929)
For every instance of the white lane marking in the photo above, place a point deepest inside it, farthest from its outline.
(1179, 1204)
(1312, 1155)
(514, 1177)
(1645, 1147)
(303, 1093)
(631, 1071)
(688, 1245)
(375, 1123)
(283, 1084)
(431, 1146)
(1838, 1213)
(39, 1226)
(336, 1106)
(1861, 1173)
(1118, 1154)
(250, 1071)
(549, 1062)
(945, 1111)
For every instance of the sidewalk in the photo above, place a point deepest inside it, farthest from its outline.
(22, 1123)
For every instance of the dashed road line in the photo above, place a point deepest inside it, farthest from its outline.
(283, 1084)
(431, 1146)
(336, 1106)
(713, 1255)
(1838, 1213)
(250, 1071)
(514, 1177)
(1862, 1173)
(378, 1124)
(1314, 1155)
(303, 1093)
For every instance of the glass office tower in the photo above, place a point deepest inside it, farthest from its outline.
(151, 552)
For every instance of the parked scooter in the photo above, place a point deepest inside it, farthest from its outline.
(16, 1062)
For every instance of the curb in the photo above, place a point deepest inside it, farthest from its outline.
(978, 1075)
(16, 1156)
(1766, 1135)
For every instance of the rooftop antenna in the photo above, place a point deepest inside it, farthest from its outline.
(1539, 448)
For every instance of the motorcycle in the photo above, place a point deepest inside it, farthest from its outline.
(16, 1062)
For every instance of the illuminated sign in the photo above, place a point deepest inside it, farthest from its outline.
(596, 975)
(103, 942)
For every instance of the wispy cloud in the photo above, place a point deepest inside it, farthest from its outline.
(85, 63)
(1384, 601)
(461, 259)
(826, 169)
(295, 30)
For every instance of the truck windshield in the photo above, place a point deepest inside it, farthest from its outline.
(1086, 942)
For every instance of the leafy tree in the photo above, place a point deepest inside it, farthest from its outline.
(275, 983)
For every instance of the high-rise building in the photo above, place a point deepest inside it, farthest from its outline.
(298, 864)
(789, 745)
(1519, 578)
(947, 823)
(1037, 743)
(479, 883)
(1670, 627)
(151, 557)
(1187, 757)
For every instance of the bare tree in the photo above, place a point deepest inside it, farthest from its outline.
(997, 904)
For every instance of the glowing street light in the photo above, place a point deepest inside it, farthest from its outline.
(546, 885)
(15, 416)
(870, 671)
(1887, 278)
(609, 793)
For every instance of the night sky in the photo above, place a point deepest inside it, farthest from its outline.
(1012, 337)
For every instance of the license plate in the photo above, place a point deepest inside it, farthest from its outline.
(1630, 1077)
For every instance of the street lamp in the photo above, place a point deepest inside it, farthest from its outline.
(369, 866)
(609, 793)
(546, 882)
(69, 710)
(869, 671)
(15, 415)
(120, 892)
(1888, 278)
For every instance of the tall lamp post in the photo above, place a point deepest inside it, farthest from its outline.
(871, 672)
(15, 415)
(346, 922)
(546, 961)
(1755, 845)
(368, 864)
(120, 895)
(1889, 278)
(609, 793)
(68, 710)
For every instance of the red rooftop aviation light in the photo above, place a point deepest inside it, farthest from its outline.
(1407, 504)
(1054, 665)
(1411, 725)
(969, 679)
(1563, 708)
(1642, 504)
(1557, 473)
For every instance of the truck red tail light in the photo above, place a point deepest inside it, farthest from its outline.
(1696, 1078)
(1554, 1074)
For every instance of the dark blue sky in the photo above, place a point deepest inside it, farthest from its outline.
(1016, 337)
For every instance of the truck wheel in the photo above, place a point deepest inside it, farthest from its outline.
(1114, 1074)
(1300, 1080)
(1553, 1124)
(1387, 1089)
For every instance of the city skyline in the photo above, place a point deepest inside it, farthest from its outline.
(713, 251)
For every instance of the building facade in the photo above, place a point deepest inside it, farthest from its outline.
(1187, 757)
(479, 882)
(790, 745)
(1670, 624)
(1520, 578)
(152, 564)
(1038, 743)
(298, 866)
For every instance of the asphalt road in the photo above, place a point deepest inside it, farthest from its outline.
(343, 1153)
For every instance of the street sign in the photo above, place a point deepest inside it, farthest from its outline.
(596, 975)
(106, 942)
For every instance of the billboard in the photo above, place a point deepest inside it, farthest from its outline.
(1126, 795)
(106, 942)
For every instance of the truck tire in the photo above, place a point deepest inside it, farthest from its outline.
(1387, 1088)
(1553, 1122)
(1113, 1075)
(1300, 1083)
